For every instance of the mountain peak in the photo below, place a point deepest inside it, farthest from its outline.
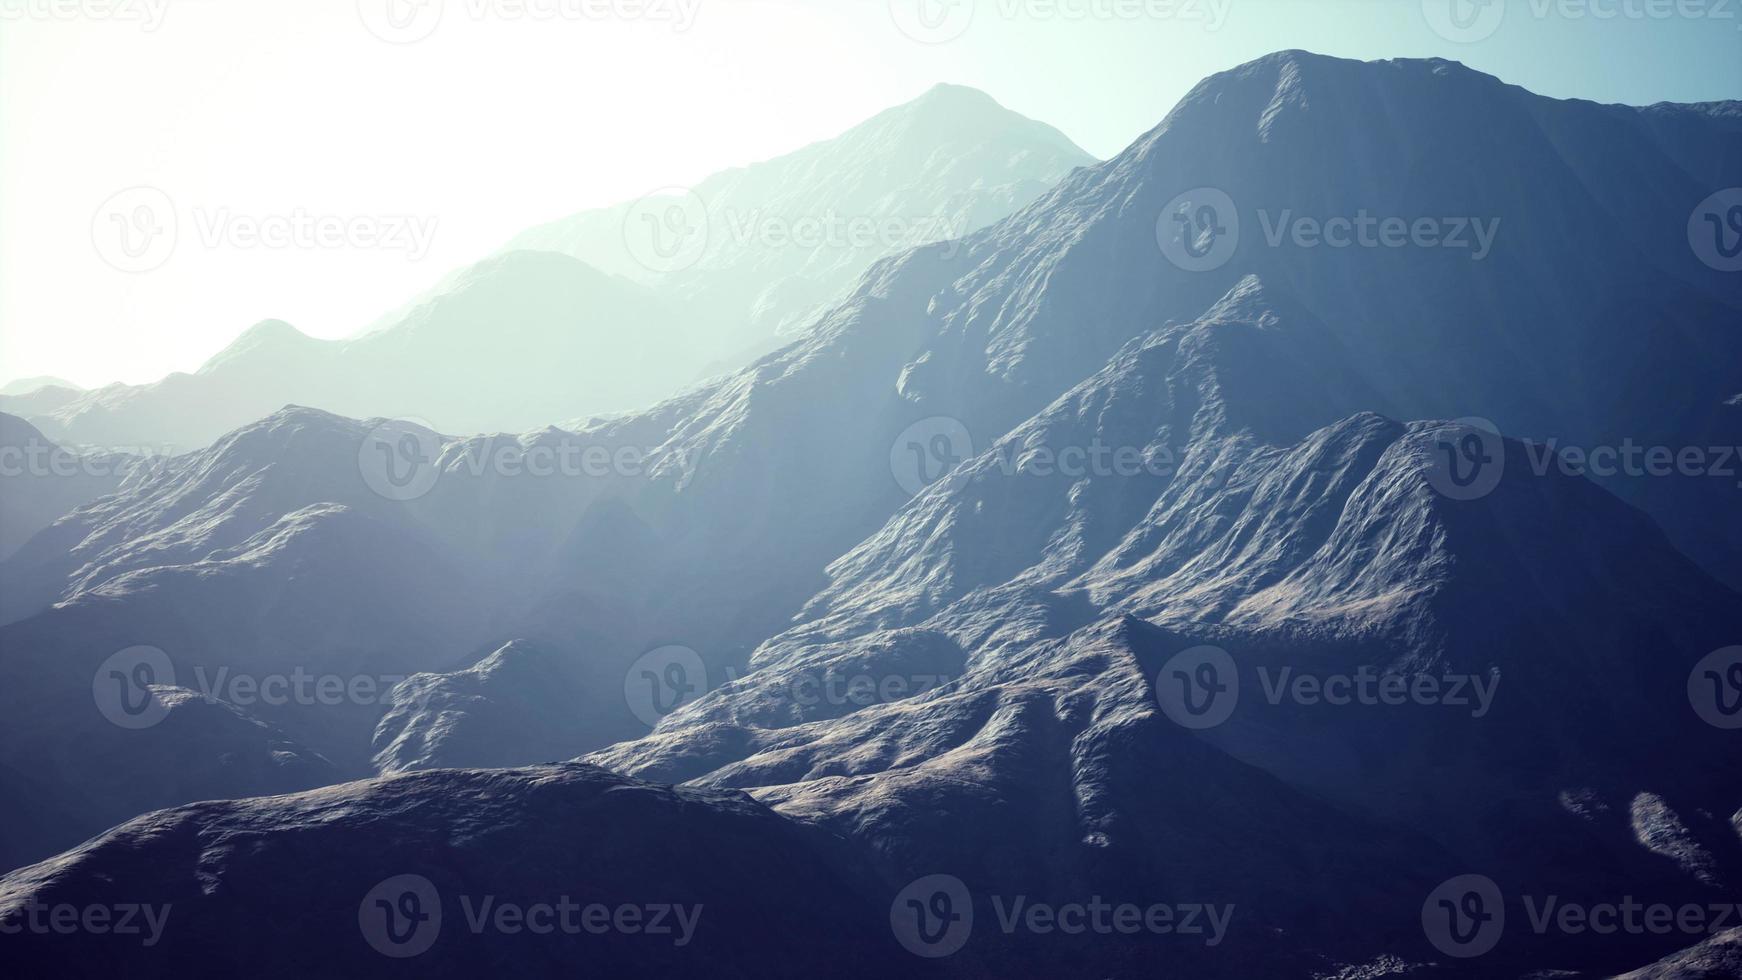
(30, 386)
(949, 93)
(948, 113)
(265, 335)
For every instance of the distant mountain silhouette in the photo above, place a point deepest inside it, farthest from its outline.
(1044, 476)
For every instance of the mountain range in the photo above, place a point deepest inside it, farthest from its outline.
(996, 580)
(624, 306)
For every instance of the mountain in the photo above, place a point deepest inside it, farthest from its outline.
(41, 480)
(37, 396)
(939, 167)
(28, 386)
(461, 358)
(928, 580)
(1713, 959)
(511, 866)
(586, 316)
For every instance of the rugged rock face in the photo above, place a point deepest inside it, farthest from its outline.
(1013, 566)
(511, 708)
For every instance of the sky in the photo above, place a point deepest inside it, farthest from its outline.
(322, 161)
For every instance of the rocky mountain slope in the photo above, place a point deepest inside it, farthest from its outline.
(1032, 476)
(41, 480)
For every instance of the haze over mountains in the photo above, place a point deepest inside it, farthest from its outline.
(1038, 476)
(615, 309)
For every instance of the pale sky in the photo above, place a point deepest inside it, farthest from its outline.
(492, 115)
